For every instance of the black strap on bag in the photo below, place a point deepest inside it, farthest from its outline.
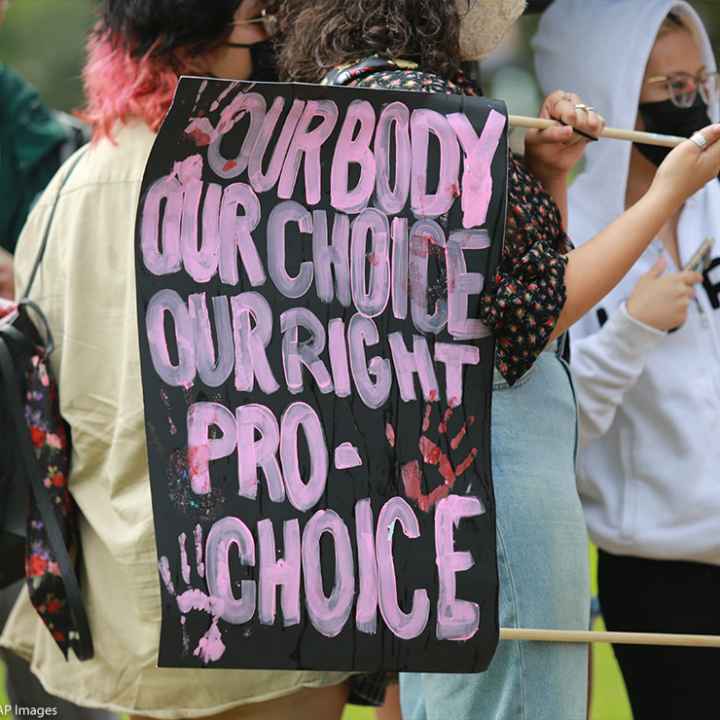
(46, 234)
(82, 641)
(28, 468)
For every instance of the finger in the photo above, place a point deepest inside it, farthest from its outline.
(583, 119)
(166, 575)
(558, 134)
(565, 112)
(198, 537)
(184, 565)
(711, 135)
(688, 277)
(658, 268)
(603, 123)
(550, 102)
(594, 123)
(583, 135)
(564, 108)
(580, 138)
(705, 148)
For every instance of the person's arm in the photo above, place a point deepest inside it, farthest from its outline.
(557, 188)
(609, 361)
(596, 267)
(607, 364)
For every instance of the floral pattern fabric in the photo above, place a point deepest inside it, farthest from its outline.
(52, 448)
(50, 440)
(522, 304)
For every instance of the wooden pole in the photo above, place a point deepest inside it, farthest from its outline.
(611, 133)
(621, 638)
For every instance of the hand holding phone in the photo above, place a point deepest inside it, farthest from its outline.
(700, 261)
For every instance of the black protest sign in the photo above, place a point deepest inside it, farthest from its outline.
(317, 384)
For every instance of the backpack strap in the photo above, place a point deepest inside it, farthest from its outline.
(46, 234)
(82, 640)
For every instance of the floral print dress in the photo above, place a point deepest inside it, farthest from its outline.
(522, 304)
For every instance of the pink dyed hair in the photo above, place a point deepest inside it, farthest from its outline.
(120, 87)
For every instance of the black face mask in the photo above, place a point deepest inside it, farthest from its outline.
(264, 62)
(537, 6)
(668, 119)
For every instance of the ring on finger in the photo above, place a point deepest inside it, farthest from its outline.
(700, 140)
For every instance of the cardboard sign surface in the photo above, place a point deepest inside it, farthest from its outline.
(317, 384)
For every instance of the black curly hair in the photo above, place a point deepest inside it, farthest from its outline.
(165, 26)
(316, 36)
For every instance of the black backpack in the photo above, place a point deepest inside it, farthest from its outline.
(39, 536)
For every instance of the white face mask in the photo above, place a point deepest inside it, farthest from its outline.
(484, 24)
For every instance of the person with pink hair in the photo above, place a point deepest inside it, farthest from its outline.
(86, 288)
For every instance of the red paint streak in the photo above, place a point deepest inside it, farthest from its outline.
(425, 247)
(455, 190)
(447, 416)
(467, 462)
(430, 452)
(426, 419)
(411, 476)
(455, 442)
(390, 434)
(373, 259)
(446, 470)
(229, 165)
(197, 458)
(428, 501)
(200, 138)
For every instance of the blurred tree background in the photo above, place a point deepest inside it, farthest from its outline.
(44, 40)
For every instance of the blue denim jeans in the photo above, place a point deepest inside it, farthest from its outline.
(542, 562)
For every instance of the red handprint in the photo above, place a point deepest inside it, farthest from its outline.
(432, 454)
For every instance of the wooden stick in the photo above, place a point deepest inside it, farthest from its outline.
(611, 133)
(623, 638)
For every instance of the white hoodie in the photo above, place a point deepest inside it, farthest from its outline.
(649, 474)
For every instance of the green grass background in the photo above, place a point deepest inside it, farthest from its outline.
(609, 698)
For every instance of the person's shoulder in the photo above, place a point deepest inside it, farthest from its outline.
(412, 79)
(113, 161)
(106, 168)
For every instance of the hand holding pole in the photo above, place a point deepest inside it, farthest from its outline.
(611, 133)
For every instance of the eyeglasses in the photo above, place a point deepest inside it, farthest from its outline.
(268, 21)
(683, 88)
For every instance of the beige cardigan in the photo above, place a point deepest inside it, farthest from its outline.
(86, 287)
